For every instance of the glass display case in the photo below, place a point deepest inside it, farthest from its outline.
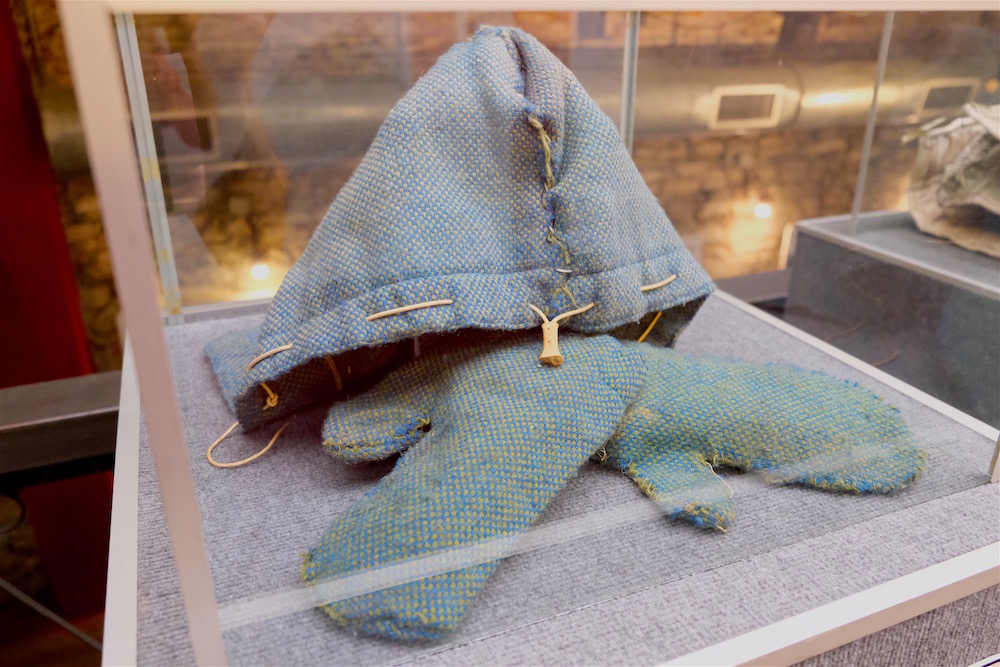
(246, 125)
(925, 308)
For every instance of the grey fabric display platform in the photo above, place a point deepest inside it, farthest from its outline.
(607, 581)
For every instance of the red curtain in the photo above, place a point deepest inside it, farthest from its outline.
(41, 330)
(42, 335)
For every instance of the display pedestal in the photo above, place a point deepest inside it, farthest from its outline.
(916, 306)
(627, 587)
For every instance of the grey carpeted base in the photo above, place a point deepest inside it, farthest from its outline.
(641, 592)
(958, 634)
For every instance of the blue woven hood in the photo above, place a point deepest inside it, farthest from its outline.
(495, 183)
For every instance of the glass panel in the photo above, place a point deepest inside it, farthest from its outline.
(745, 123)
(924, 85)
(260, 119)
(749, 122)
(913, 287)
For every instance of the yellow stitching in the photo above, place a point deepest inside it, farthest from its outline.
(550, 179)
(650, 327)
(665, 281)
(336, 374)
(406, 309)
(564, 289)
(563, 249)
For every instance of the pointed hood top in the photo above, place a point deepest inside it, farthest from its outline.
(496, 184)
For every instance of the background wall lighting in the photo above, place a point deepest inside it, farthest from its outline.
(260, 271)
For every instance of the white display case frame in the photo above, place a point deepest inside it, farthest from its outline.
(96, 67)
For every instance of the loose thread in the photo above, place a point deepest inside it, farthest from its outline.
(892, 355)
(336, 373)
(650, 327)
(845, 332)
(234, 464)
(406, 309)
(265, 355)
(217, 441)
(712, 470)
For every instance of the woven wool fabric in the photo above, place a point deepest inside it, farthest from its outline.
(490, 436)
(320, 380)
(495, 183)
(795, 425)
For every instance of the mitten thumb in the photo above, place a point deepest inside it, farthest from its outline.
(393, 416)
(385, 420)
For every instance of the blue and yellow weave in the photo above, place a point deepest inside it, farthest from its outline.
(489, 436)
(494, 183)
(794, 425)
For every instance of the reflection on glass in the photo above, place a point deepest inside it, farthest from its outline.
(738, 111)
(260, 119)
(924, 84)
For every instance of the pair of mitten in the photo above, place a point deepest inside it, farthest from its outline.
(488, 436)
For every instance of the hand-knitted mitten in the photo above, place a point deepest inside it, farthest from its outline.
(796, 426)
(490, 436)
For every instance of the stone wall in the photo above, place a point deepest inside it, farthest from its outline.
(37, 24)
(710, 184)
(88, 252)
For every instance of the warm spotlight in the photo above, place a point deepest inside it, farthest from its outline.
(260, 271)
(762, 210)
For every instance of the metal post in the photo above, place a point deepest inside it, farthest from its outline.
(866, 150)
(128, 44)
(629, 66)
